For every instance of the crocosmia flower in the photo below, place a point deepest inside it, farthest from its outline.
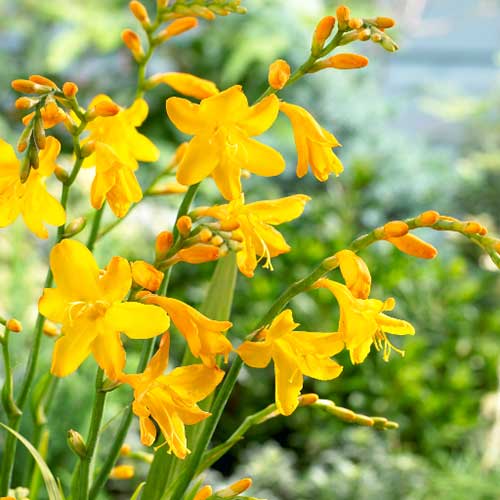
(89, 305)
(363, 322)
(171, 399)
(30, 199)
(118, 149)
(222, 126)
(314, 144)
(294, 354)
(255, 221)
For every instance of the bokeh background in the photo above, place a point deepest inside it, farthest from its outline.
(420, 130)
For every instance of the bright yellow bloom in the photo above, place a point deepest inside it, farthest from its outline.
(314, 144)
(294, 354)
(355, 273)
(255, 223)
(362, 322)
(30, 199)
(171, 399)
(119, 147)
(222, 126)
(89, 306)
(186, 84)
(203, 335)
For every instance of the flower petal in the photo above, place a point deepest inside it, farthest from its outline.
(116, 281)
(186, 116)
(53, 305)
(194, 383)
(394, 325)
(109, 353)
(279, 210)
(229, 106)
(255, 354)
(200, 159)
(262, 159)
(288, 380)
(261, 116)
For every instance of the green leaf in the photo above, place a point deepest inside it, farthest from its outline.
(48, 478)
(137, 491)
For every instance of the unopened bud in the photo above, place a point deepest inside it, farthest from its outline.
(33, 157)
(122, 472)
(396, 228)
(133, 42)
(376, 37)
(343, 15)
(42, 80)
(204, 493)
(24, 103)
(29, 87)
(279, 74)
(25, 169)
(163, 244)
(472, 228)
(23, 141)
(235, 488)
(169, 188)
(74, 227)
(414, 246)
(364, 35)
(323, 30)
(205, 235)
(50, 329)
(496, 246)
(229, 225)
(389, 44)
(14, 325)
(217, 241)
(308, 399)
(39, 134)
(177, 27)
(125, 450)
(345, 61)
(61, 174)
(384, 23)
(103, 109)
(198, 254)
(146, 275)
(379, 422)
(203, 12)
(427, 218)
(76, 443)
(342, 413)
(87, 149)
(355, 23)
(70, 89)
(184, 225)
(139, 11)
(363, 420)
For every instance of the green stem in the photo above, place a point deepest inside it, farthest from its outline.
(93, 435)
(94, 231)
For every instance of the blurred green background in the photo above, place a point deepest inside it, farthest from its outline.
(420, 130)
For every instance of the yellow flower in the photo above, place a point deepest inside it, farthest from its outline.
(314, 144)
(30, 199)
(294, 354)
(186, 84)
(256, 221)
(89, 306)
(171, 399)
(118, 148)
(222, 126)
(203, 335)
(355, 273)
(362, 322)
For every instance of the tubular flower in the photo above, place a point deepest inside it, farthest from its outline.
(256, 220)
(221, 147)
(171, 399)
(362, 322)
(204, 335)
(30, 199)
(118, 148)
(314, 144)
(294, 354)
(355, 273)
(90, 306)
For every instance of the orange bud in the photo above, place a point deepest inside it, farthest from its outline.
(125, 450)
(308, 399)
(323, 30)
(122, 472)
(365, 35)
(133, 42)
(198, 253)
(164, 242)
(184, 225)
(395, 229)
(52, 114)
(217, 240)
(185, 83)
(497, 247)
(355, 23)
(203, 493)
(384, 22)
(27, 118)
(70, 89)
(25, 103)
(235, 488)
(229, 225)
(472, 228)
(170, 188)
(279, 73)
(25, 86)
(414, 246)
(146, 275)
(139, 11)
(343, 14)
(428, 218)
(178, 27)
(50, 329)
(345, 61)
(14, 325)
(104, 109)
(205, 235)
(42, 80)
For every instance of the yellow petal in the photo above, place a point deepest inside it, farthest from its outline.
(137, 321)
(53, 305)
(8, 159)
(142, 147)
(394, 325)
(261, 116)
(200, 159)
(146, 275)
(75, 270)
(194, 382)
(279, 210)
(137, 113)
(288, 380)
(319, 368)
(318, 343)
(188, 84)
(48, 155)
(355, 273)
(109, 353)
(148, 431)
(186, 116)
(262, 159)
(116, 281)
(227, 176)
(124, 192)
(159, 362)
(281, 325)
(229, 106)
(255, 354)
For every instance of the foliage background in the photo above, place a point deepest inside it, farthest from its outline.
(420, 130)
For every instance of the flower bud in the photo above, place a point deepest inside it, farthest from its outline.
(342, 413)
(42, 80)
(29, 87)
(204, 493)
(125, 450)
(229, 225)
(50, 329)
(472, 228)
(427, 218)
(146, 275)
(39, 134)
(323, 30)
(217, 241)
(376, 37)
(279, 74)
(345, 61)
(205, 235)
(389, 44)
(177, 27)
(203, 12)
(70, 89)
(52, 114)
(414, 246)
(355, 23)
(25, 169)
(235, 488)
(184, 225)
(308, 399)
(14, 325)
(169, 188)
(363, 420)
(395, 229)
(122, 472)
(61, 174)
(496, 246)
(163, 244)
(24, 103)
(24, 138)
(103, 109)
(384, 22)
(74, 227)
(198, 254)
(364, 35)
(343, 14)
(379, 422)
(139, 11)
(76, 443)
(133, 42)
